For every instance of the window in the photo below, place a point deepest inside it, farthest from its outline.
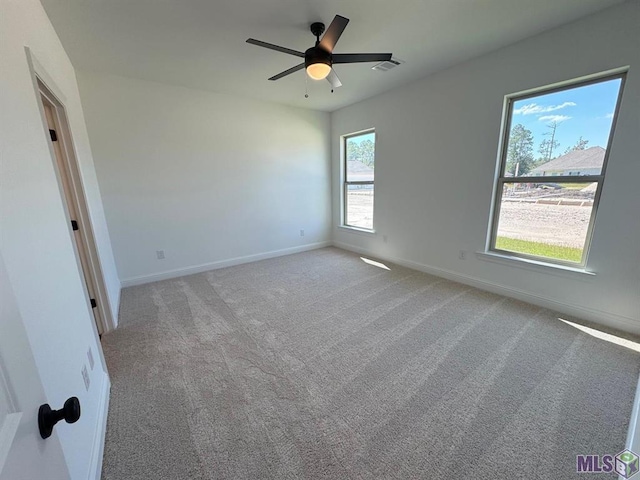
(359, 171)
(562, 134)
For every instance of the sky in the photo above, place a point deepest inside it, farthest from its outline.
(584, 111)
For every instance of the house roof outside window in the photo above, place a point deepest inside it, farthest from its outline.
(576, 162)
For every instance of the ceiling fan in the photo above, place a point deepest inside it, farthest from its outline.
(319, 59)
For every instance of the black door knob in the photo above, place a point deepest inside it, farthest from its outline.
(47, 418)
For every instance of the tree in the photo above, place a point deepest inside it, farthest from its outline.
(547, 146)
(520, 152)
(546, 149)
(367, 152)
(581, 144)
(353, 150)
(363, 151)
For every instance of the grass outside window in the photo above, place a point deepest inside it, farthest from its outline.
(539, 249)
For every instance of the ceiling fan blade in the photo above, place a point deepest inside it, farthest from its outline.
(360, 57)
(332, 34)
(287, 72)
(333, 79)
(277, 48)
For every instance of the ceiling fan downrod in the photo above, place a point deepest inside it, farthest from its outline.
(317, 28)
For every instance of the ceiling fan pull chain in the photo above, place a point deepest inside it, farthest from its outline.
(306, 86)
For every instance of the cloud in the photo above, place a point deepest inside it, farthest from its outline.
(554, 118)
(534, 108)
(609, 115)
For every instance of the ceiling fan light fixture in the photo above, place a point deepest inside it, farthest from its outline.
(319, 71)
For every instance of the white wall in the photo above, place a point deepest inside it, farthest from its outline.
(35, 237)
(435, 163)
(203, 176)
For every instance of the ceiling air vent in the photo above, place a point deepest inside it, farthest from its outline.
(387, 65)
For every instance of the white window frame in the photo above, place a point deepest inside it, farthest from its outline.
(345, 183)
(501, 179)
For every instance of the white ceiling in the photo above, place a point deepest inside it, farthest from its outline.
(201, 43)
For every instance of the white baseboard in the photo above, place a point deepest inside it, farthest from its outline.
(181, 272)
(592, 315)
(97, 452)
(115, 309)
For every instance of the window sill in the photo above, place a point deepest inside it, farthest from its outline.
(537, 265)
(366, 231)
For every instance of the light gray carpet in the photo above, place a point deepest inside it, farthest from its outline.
(317, 365)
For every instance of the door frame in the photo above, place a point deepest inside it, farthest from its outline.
(45, 86)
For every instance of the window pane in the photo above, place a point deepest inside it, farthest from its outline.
(562, 133)
(545, 219)
(360, 155)
(359, 211)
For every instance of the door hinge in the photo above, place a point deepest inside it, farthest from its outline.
(74, 225)
(54, 135)
(94, 304)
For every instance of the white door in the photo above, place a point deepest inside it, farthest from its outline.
(23, 453)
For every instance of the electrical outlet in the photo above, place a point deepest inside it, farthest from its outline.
(85, 377)
(90, 357)
(462, 255)
(302, 233)
(160, 254)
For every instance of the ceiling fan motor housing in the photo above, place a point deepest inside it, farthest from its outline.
(316, 55)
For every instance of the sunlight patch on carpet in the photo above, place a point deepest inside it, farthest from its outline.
(604, 336)
(374, 263)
